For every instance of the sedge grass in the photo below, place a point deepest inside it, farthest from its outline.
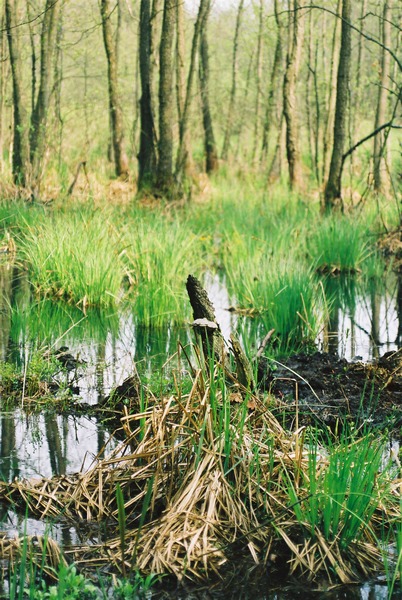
(160, 253)
(285, 296)
(339, 244)
(76, 259)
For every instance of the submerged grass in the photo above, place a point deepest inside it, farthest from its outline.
(283, 295)
(87, 255)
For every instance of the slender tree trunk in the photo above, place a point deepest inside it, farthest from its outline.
(58, 78)
(317, 118)
(381, 112)
(289, 95)
(147, 152)
(155, 39)
(20, 158)
(4, 72)
(165, 162)
(274, 84)
(184, 162)
(40, 112)
(276, 168)
(182, 155)
(211, 153)
(235, 69)
(355, 105)
(258, 80)
(244, 104)
(329, 125)
(309, 94)
(33, 57)
(115, 111)
(333, 189)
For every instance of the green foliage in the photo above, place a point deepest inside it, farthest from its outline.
(285, 295)
(71, 586)
(339, 244)
(160, 253)
(33, 380)
(339, 500)
(75, 258)
(134, 588)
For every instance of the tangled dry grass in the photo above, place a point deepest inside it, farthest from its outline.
(205, 486)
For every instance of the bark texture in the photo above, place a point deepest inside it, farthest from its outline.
(289, 95)
(333, 189)
(211, 154)
(273, 95)
(205, 320)
(183, 157)
(331, 103)
(380, 177)
(147, 152)
(20, 154)
(41, 110)
(115, 111)
(165, 160)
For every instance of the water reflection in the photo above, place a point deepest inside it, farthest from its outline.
(365, 322)
(46, 444)
(362, 321)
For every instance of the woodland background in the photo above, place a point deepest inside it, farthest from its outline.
(159, 92)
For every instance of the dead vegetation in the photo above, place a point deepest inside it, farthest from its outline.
(205, 485)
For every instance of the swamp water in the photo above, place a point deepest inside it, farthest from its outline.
(361, 325)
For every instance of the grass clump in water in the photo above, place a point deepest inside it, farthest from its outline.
(284, 295)
(339, 245)
(76, 258)
(160, 253)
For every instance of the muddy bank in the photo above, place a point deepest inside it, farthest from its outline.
(325, 387)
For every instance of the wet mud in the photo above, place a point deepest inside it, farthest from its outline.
(324, 388)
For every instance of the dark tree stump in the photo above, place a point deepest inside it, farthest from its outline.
(205, 323)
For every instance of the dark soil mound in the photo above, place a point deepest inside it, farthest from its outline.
(326, 387)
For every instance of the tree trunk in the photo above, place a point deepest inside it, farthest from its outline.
(20, 158)
(309, 103)
(33, 56)
(333, 189)
(257, 109)
(211, 154)
(58, 78)
(4, 73)
(155, 39)
(244, 104)
(358, 87)
(232, 97)
(329, 125)
(381, 112)
(147, 152)
(182, 155)
(40, 113)
(115, 112)
(165, 162)
(183, 163)
(289, 95)
(205, 321)
(274, 84)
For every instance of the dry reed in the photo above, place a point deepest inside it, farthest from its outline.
(200, 495)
